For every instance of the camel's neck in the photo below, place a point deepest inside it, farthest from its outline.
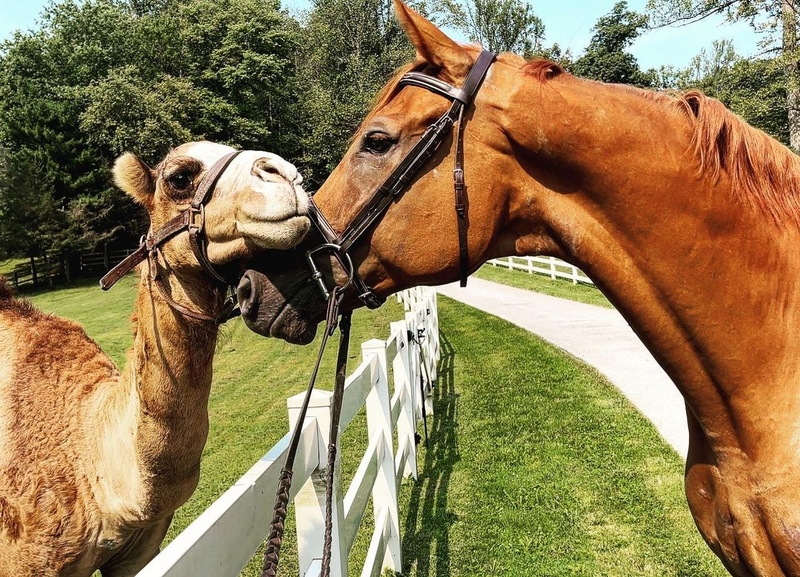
(158, 419)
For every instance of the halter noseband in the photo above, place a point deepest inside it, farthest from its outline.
(192, 219)
(401, 176)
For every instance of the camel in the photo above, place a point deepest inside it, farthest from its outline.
(94, 460)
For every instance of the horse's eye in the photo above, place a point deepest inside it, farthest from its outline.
(377, 143)
(180, 180)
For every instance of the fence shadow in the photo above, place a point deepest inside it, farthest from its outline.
(426, 534)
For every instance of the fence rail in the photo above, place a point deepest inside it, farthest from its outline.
(52, 269)
(222, 540)
(545, 265)
(39, 271)
(102, 261)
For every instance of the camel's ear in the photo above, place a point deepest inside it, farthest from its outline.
(135, 178)
(433, 45)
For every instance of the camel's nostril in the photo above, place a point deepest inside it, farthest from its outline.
(265, 165)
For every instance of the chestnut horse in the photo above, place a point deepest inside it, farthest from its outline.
(687, 219)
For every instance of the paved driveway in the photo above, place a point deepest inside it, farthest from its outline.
(598, 336)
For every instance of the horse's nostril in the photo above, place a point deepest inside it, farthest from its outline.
(245, 294)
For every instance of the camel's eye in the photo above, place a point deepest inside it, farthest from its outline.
(377, 143)
(180, 181)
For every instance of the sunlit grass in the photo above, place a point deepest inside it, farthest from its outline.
(563, 288)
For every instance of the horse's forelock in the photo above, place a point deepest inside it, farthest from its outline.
(542, 69)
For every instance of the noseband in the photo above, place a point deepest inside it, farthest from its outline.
(391, 189)
(192, 220)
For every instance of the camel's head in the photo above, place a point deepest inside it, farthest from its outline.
(257, 203)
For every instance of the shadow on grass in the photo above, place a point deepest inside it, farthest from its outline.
(427, 527)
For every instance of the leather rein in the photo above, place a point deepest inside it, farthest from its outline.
(192, 219)
(339, 245)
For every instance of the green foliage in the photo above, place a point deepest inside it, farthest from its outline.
(605, 58)
(350, 49)
(764, 90)
(498, 25)
(103, 77)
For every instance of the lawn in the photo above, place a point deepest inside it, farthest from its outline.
(536, 465)
(558, 287)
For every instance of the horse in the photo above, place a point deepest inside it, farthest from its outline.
(684, 216)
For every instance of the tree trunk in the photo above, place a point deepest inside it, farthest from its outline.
(790, 56)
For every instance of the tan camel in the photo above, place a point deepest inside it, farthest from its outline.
(94, 462)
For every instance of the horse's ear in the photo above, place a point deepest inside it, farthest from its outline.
(433, 45)
(136, 179)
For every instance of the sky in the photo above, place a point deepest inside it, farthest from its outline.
(567, 22)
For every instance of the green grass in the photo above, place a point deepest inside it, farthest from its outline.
(563, 288)
(7, 265)
(536, 465)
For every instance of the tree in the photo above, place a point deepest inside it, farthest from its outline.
(605, 58)
(105, 76)
(753, 88)
(776, 19)
(350, 49)
(498, 25)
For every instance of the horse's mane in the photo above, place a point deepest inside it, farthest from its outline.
(762, 171)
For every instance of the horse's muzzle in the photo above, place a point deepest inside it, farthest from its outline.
(289, 310)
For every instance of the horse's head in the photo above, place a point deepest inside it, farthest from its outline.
(417, 240)
(549, 161)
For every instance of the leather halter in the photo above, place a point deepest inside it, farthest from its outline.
(192, 219)
(400, 178)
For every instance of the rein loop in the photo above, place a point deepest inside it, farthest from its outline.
(280, 508)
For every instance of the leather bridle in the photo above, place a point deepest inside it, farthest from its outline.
(339, 245)
(192, 219)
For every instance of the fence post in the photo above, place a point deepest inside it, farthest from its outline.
(414, 322)
(431, 344)
(407, 421)
(310, 500)
(379, 418)
(33, 272)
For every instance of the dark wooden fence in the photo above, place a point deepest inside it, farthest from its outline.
(50, 270)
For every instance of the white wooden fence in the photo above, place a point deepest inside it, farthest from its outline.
(222, 540)
(546, 265)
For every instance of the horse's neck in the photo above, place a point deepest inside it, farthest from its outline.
(156, 422)
(711, 289)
